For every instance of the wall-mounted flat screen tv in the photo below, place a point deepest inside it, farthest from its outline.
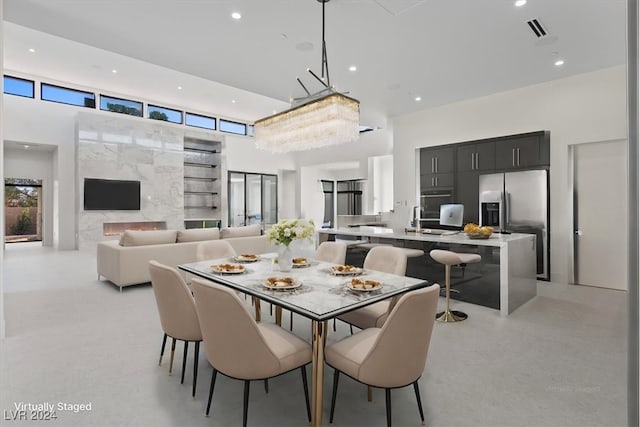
(111, 194)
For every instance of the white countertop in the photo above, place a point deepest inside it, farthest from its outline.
(496, 239)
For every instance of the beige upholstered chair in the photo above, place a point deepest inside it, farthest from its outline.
(387, 259)
(177, 314)
(392, 356)
(239, 347)
(333, 252)
(214, 249)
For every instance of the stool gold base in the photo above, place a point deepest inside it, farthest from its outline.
(451, 316)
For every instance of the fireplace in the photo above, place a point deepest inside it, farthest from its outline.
(117, 228)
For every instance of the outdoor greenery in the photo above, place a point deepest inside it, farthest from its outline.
(24, 223)
(157, 115)
(119, 108)
(20, 194)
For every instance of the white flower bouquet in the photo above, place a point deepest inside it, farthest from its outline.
(288, 230)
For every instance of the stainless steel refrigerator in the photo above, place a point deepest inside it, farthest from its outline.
(518, 202)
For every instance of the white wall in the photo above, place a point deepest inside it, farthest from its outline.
(34, 164)
(584, 108)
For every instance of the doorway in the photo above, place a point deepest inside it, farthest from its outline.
(600, 214)
(23, 210)
(253, 199)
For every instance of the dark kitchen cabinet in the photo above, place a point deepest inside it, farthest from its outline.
(467, 194)
(437, 167)
(523, 151)
(480, 157)
(435, 181)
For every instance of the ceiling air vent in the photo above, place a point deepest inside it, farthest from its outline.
(537, 28)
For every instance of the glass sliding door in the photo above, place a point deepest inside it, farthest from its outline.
(253, 199)
(23, 210)
(236, 199)
(269, 200)
(327, 189)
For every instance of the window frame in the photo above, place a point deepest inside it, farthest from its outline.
(43, 84)
(33, 86)
(232, 122)
(160, 107)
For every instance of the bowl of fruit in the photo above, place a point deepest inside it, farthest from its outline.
(474, 231)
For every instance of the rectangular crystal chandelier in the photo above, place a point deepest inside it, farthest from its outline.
(331, 119)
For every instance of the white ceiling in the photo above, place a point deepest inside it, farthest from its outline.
(440, 50)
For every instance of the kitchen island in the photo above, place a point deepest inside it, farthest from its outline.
(504, 280)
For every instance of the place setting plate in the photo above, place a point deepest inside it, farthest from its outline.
(245, 258)
(301, 262)
(360, 285)
(228, 268)
(346, 270)
(281, 283)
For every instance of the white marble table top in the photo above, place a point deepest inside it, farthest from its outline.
(322, 295)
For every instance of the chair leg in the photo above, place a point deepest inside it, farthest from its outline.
(195, 368)
(184, 360)
(351, 329)
(303, 369)
(266, 385)
(213, 383)
(336, 377)
(334, 324)
(291, 320)
(369, 393)
(173, 350)
(387, 398)
(245, 406)
(417, 390)
(164, 342)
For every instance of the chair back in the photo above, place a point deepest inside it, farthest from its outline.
(333, 252)
(399, 355)
(175, 304)
(387, 259)
(233, 342)
(214, 249)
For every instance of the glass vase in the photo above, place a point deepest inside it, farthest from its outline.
(285, 258)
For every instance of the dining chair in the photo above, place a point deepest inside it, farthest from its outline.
(239, 347)
(392, 356)
(213, 249)
(333, 252)
(177, 312)
(388, 259)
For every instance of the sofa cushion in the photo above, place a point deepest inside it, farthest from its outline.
(150, 237)
(248, 230)
(198, 234)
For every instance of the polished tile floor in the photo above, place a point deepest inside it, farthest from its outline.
(560, 360)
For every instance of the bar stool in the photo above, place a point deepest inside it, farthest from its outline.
(449, 258)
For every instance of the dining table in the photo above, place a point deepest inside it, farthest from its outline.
(313, 289)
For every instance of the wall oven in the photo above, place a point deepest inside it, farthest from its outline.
(430, 202)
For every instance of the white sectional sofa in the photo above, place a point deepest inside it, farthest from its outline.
(125, 262)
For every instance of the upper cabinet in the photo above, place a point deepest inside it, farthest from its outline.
(523, 151)
(477, 157)
(437, 167)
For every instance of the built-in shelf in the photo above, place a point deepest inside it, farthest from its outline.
(200, 192)
(201, 150)
(201, 185)
(201, 165)
(197, 178)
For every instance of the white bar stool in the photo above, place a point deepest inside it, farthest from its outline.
(449, 258)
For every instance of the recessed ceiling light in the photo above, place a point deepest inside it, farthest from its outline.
(418, 98)
(520, 3)
(26, 146)
(114, 71)
(233, 101)
(353, 68)
(32, 50)
(236, 15)
(559, 62)
(179, 87)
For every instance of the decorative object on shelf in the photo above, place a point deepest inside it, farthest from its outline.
(323, 118)
(285, 232)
